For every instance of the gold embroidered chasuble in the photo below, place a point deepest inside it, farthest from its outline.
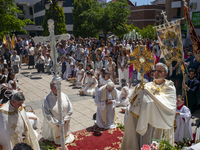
(15, 126)
(154, 106)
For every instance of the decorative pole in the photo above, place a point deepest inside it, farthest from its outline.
(57, 79)
(183, 72)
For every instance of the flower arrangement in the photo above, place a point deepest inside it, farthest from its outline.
(165, 145)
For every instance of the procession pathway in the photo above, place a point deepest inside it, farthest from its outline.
(36, 87)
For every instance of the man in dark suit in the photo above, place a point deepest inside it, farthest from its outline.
(191, 85)
(7, 57)
(194, 64)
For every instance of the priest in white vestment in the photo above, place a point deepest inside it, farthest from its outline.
(105, 99)
(183, 115)
(50, 128)
(151, 106)
(14, 124)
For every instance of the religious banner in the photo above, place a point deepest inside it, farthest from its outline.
(193, 36)
(170, 41)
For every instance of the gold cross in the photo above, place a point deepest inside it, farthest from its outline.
(14, 126)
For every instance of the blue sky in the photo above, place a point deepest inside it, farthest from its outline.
(139, 2)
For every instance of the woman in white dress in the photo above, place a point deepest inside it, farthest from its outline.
(103, 80)
(123, 101)
(68, 68)
(80, 76)
(122, 63)
(88, 68)
(89, 87)
(98, 65)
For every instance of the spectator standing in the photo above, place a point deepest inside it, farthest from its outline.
(30, 50)
(15, 61)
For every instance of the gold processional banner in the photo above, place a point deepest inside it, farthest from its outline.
(170, 41)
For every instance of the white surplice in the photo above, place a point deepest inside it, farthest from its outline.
(110, 109)
(184, 128)
(14, 126)
(50, 130)
(153, 106)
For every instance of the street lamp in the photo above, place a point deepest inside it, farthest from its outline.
(47, 4)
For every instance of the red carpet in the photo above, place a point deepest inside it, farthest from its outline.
(92, 138)
(95, 138)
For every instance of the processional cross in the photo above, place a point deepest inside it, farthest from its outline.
(57, 79)
(165, 16)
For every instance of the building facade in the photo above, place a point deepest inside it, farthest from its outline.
(35, 10)
(141, 16)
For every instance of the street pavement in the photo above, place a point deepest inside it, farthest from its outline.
(36, 86)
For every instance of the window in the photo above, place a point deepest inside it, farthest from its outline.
(22, 18)
(68, 18)
(178, 12)
(30, 11)
(39, 6)
(39, 20)
(20, 7)
(68, 3)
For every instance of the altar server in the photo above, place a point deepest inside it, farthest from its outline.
(183, 115)
(50, 128)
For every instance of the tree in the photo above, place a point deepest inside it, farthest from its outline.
(148, 32)
(131, 27)
(108, 17)
(81, 26)
(9, 22)
(59, 20)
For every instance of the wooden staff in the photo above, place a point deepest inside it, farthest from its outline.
(183, 72)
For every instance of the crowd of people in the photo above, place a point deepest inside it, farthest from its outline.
(95, 66)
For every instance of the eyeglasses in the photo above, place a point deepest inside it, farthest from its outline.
(189, 55)
(159, 71)
(109, 60)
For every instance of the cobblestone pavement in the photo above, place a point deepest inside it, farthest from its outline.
(36, 86)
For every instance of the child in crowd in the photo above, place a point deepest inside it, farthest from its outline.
(48, 64)
(89, 86)
(183, 115)
(68, 68)
(76, 67)
(72, 74)
(5, 72)
(122, 95)
(3, 81)
(80, 76)
(12, 83)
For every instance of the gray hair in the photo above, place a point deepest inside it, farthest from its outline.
(163, 65)
(19, 96)
(110, 85)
